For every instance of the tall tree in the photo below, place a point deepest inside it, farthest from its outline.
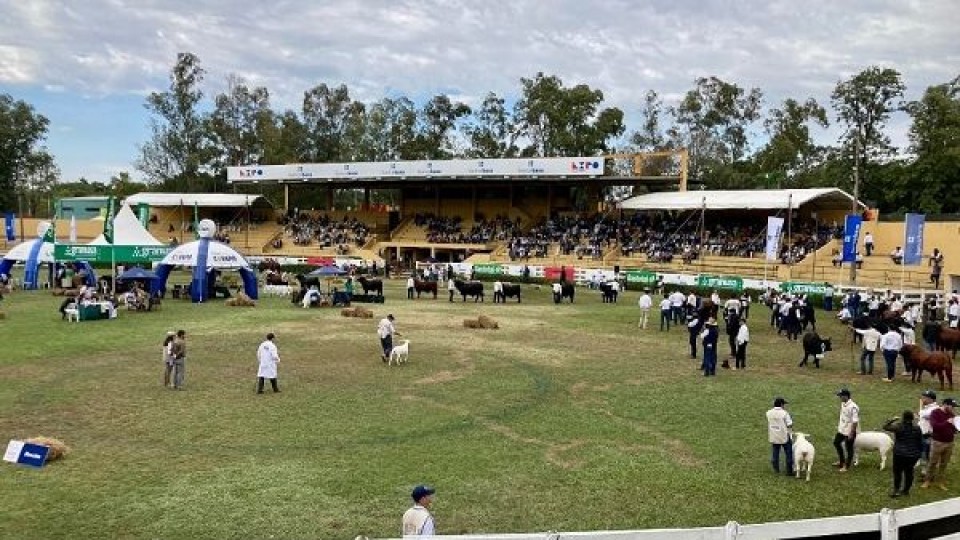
(237, 125)
(328, 115)
(935, 141)
(22, 132)
(438, 120)
(790, 147)
(863, 104)
(650, 137)
(178, 151)
(560, 121)
(391, 130)
(712, 121)
(490, 131)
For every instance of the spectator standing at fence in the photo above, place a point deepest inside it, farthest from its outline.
(847, 429)
(907, 447)
(936, 264)
(417, 520)
(644, 303)
(942, 433)
(779, 427)
(665, 313)
(868, 243)
(267, 357)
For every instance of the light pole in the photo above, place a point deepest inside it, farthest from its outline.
(855, 207)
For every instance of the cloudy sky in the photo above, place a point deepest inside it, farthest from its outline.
(88, 64)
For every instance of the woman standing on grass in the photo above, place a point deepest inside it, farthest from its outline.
(168, 358)
(907, 447)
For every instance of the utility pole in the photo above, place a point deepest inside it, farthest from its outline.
(855, 207)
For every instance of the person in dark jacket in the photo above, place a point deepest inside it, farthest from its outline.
(693, 327)
(709, 337)
(907, 446)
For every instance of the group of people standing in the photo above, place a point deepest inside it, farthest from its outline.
(925, 437)
(175, 357)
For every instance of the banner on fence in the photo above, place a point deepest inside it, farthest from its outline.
(913, 241)
(733, 283)
(797, 287)
(851, 234)
(641, 277)
(774, 230)
(488, 269)
(558, 273)
(127, 254)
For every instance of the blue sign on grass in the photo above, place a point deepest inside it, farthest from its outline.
(21, 453)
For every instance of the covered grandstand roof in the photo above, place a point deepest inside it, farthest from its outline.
(748, 199)
(218, 200)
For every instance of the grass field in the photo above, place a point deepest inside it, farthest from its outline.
(567, 418)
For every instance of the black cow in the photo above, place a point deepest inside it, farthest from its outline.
(608, 293)
(809, 315)
(566, 291)
(469, 288)
(510, 290)
(306, 281)
(931, 331)
(814, 345)
(370, 285)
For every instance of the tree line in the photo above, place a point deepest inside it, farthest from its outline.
(734, 142)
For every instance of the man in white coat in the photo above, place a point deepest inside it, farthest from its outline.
(269, 357)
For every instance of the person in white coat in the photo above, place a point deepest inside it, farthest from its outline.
(269, 357)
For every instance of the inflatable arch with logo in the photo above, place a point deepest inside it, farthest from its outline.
(205, 255)
(36, 252)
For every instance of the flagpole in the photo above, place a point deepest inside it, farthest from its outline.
(790, 236)
(903, 260)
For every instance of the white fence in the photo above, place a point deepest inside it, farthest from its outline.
(905, 524)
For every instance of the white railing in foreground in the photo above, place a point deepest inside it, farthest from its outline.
(887, 522)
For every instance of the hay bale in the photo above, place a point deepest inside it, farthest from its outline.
(487, 322)
(471, 323)
(57, 447)
(347, 312)
(2, 315)
(357, 312)
(241, 300)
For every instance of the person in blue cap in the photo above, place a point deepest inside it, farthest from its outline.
(417, 520)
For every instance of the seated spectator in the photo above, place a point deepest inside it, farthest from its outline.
(897, 255)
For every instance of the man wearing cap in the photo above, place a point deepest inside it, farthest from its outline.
(417, 520)
(709, 337)
(928, 402)
(779, 425)
(942, 432)
(386, 331)
(846, 430)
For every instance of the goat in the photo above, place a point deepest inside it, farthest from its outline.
(803, 454)
(400, 353)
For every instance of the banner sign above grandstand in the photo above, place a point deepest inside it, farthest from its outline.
(464, 168)
(729, 283)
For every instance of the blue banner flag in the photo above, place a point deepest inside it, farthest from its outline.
(913, 241)
(8, 227)
(851, 234)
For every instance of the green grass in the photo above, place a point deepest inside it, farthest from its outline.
(568, 418)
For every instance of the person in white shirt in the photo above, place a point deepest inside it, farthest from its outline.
(896, 305)
(868, 243)
(410, 287)
(268, 357)
(557, 293)
(953, 313)
(897, 256)
(498, 292)
(451, 287)
(871, 339)
(310, 296)
(847, 429)
(417, 520)
(615, 290)
(928, 402)
(844, 315)
(779, 425)
(873, 307)
(744, 305)
(676, 306)
(743, 338)
(890, 344)
(385, 331)
(691, 303)
(715, 298)
(644, 303)
(665, 313)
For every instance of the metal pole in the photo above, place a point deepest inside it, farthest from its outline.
(790, 254)
(816, 245)
(246, 240)
(855, 206)
(703, 226)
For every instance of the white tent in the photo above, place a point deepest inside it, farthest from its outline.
(206, 255)
(21, 252)
(753, 199)
(127, 231)
(218, 255)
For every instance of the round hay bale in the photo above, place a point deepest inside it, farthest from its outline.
(348, 312)
(470, 323)
(240, 300)
(487, 322)
(363, 312)
(58, 449)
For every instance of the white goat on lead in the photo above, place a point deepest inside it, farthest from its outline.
(872, 440)
(803, 454)
(400, 353)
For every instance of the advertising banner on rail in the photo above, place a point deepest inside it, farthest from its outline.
(125, 254)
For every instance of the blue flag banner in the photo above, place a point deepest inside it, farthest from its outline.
(851, 234)
(913, 241)
(8, 227)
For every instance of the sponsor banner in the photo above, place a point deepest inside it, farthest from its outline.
(913, 243)
(641, 277)
(851, 235)
(474, 168)
(774, 230)
(557, 272)
(733, 283)
(8, 226)
(320, 261)
(488, 269)
(143, 213)
(127, 254)
(24, 453)
(796, 287)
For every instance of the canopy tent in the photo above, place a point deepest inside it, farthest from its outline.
(127, 231)
(205, 256)
(327, 271)
(755, 199)
(35, 252)
(137, 273)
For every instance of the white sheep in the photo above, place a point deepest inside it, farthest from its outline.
(803, 454)
(872, 440)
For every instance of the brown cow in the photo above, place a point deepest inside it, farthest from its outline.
(920, 360)
(948, 340)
